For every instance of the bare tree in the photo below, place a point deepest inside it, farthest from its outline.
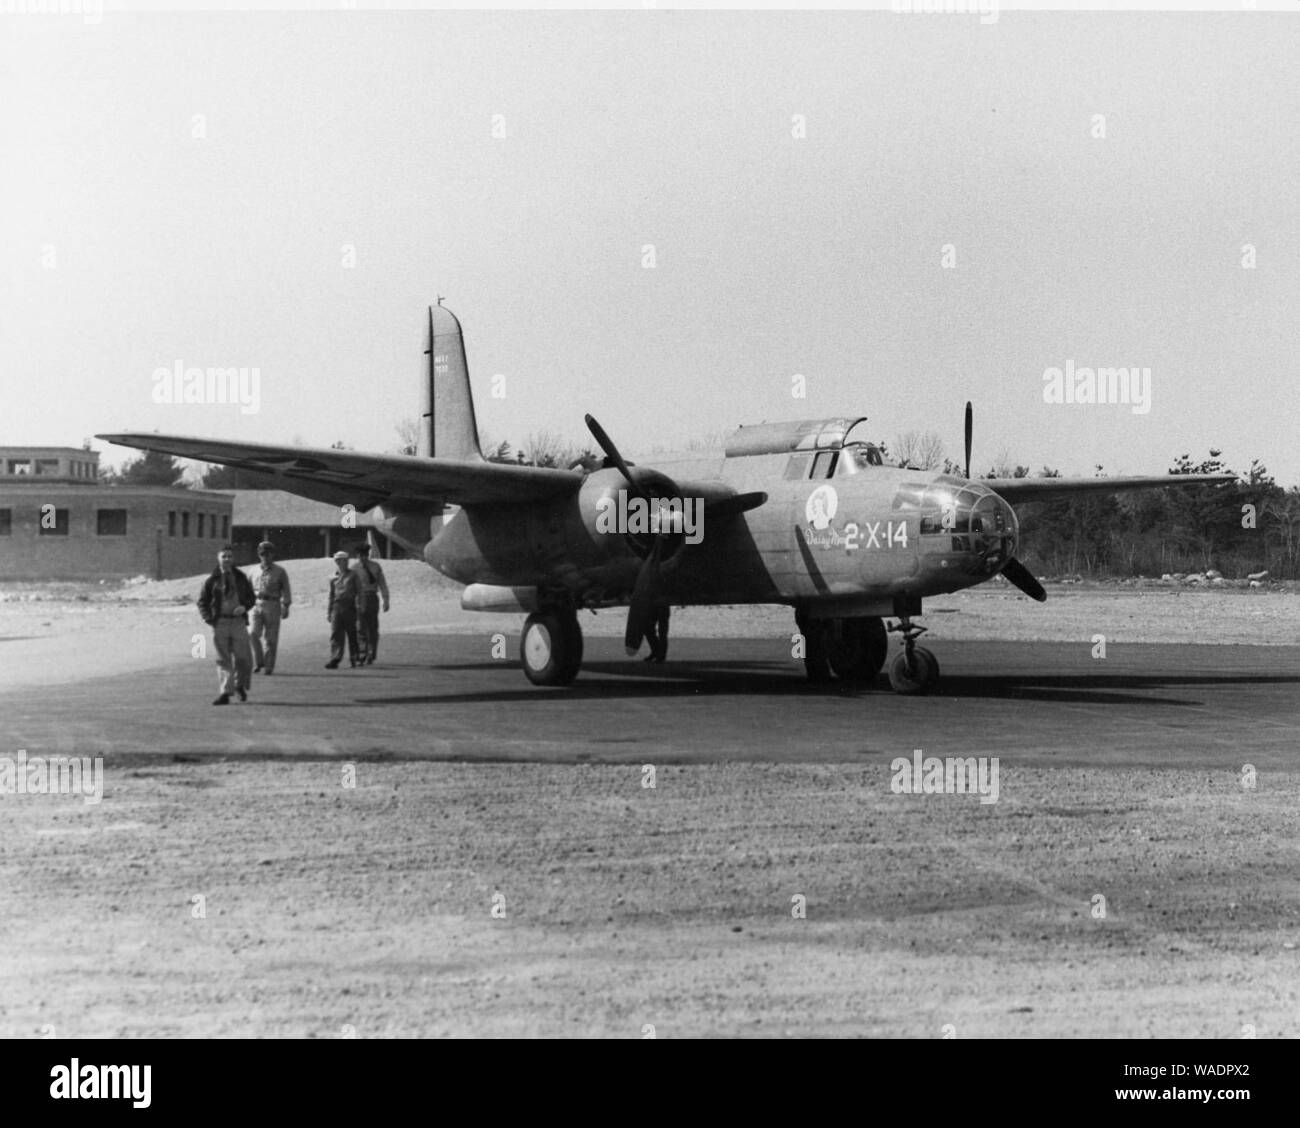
(919, 451)
(546, 448)
(408, 433)
(1003, 467)
(713, 440)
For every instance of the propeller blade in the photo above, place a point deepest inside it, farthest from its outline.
(611, 452)
(640, 614)
(970, 430)
(1024, 579)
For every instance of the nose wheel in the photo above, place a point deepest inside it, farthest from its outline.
(916, 669)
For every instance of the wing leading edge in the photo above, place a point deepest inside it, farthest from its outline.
(1015, 490)
(343, 477)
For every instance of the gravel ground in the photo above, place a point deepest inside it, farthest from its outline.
(620, 907)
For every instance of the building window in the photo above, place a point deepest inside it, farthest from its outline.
(199, 533)
(185, 524)
(6, 522)
(111, 522)
(171, 522)
(47, 467)
(20, 466)
(225, 527)
(60, 526)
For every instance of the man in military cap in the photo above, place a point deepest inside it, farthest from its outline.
(342, 613)
(271, 586)
(370, 576)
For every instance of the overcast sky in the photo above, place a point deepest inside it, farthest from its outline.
(183, 187)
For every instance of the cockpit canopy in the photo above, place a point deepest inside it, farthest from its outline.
(782, 438)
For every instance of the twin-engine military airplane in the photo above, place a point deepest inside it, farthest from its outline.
(802, 514)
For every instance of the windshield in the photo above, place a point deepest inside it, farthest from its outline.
(859, 456)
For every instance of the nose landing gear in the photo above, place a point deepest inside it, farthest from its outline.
(916, 669)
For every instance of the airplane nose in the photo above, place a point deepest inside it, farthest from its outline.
(971, 521)
(994, 529)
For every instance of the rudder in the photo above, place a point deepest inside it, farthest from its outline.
(450, 429)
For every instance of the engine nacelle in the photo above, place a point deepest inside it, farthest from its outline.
(608, 509)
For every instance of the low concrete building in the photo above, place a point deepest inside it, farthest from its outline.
(57, 522)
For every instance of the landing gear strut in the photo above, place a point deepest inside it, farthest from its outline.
(916, 670)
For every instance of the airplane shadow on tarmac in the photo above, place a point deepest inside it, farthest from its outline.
(602, 680)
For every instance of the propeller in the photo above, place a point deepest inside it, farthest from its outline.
(970, 430)
(1024, 579)
(1013, 570)
(641, 611)
(611, 452)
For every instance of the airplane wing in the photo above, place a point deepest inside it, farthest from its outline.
(1015, 490)
(341, 477)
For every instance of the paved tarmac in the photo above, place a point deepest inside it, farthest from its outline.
(446, 697)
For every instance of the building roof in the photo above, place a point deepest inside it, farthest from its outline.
(47, 452)
(276, 509)
(104, 494)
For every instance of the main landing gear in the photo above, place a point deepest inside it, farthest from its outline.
(853, 650)
(850, 649)
(916, 670)
(550, 648)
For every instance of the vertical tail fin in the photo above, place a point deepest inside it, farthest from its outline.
(450, 429)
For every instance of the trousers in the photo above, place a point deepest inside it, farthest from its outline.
(368, 628)
(234, 656)
(343, 624)
(265, 620)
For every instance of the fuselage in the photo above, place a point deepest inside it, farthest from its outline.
(837, 527)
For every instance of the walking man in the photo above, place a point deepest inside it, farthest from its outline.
(223, 603)
(271, 587)
(370, 576)
(342, 613)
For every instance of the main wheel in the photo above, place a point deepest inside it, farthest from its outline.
(929, 657)
(857, 648)
(551, 647)
(920, 679)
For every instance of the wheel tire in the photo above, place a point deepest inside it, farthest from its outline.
(550, 648)
(934, 662)
(857, 649)
(921, 680)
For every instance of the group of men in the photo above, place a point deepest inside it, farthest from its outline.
(245, 615)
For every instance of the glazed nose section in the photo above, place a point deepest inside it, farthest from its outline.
(994, 530)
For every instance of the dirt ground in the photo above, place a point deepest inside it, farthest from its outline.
(261, 897)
